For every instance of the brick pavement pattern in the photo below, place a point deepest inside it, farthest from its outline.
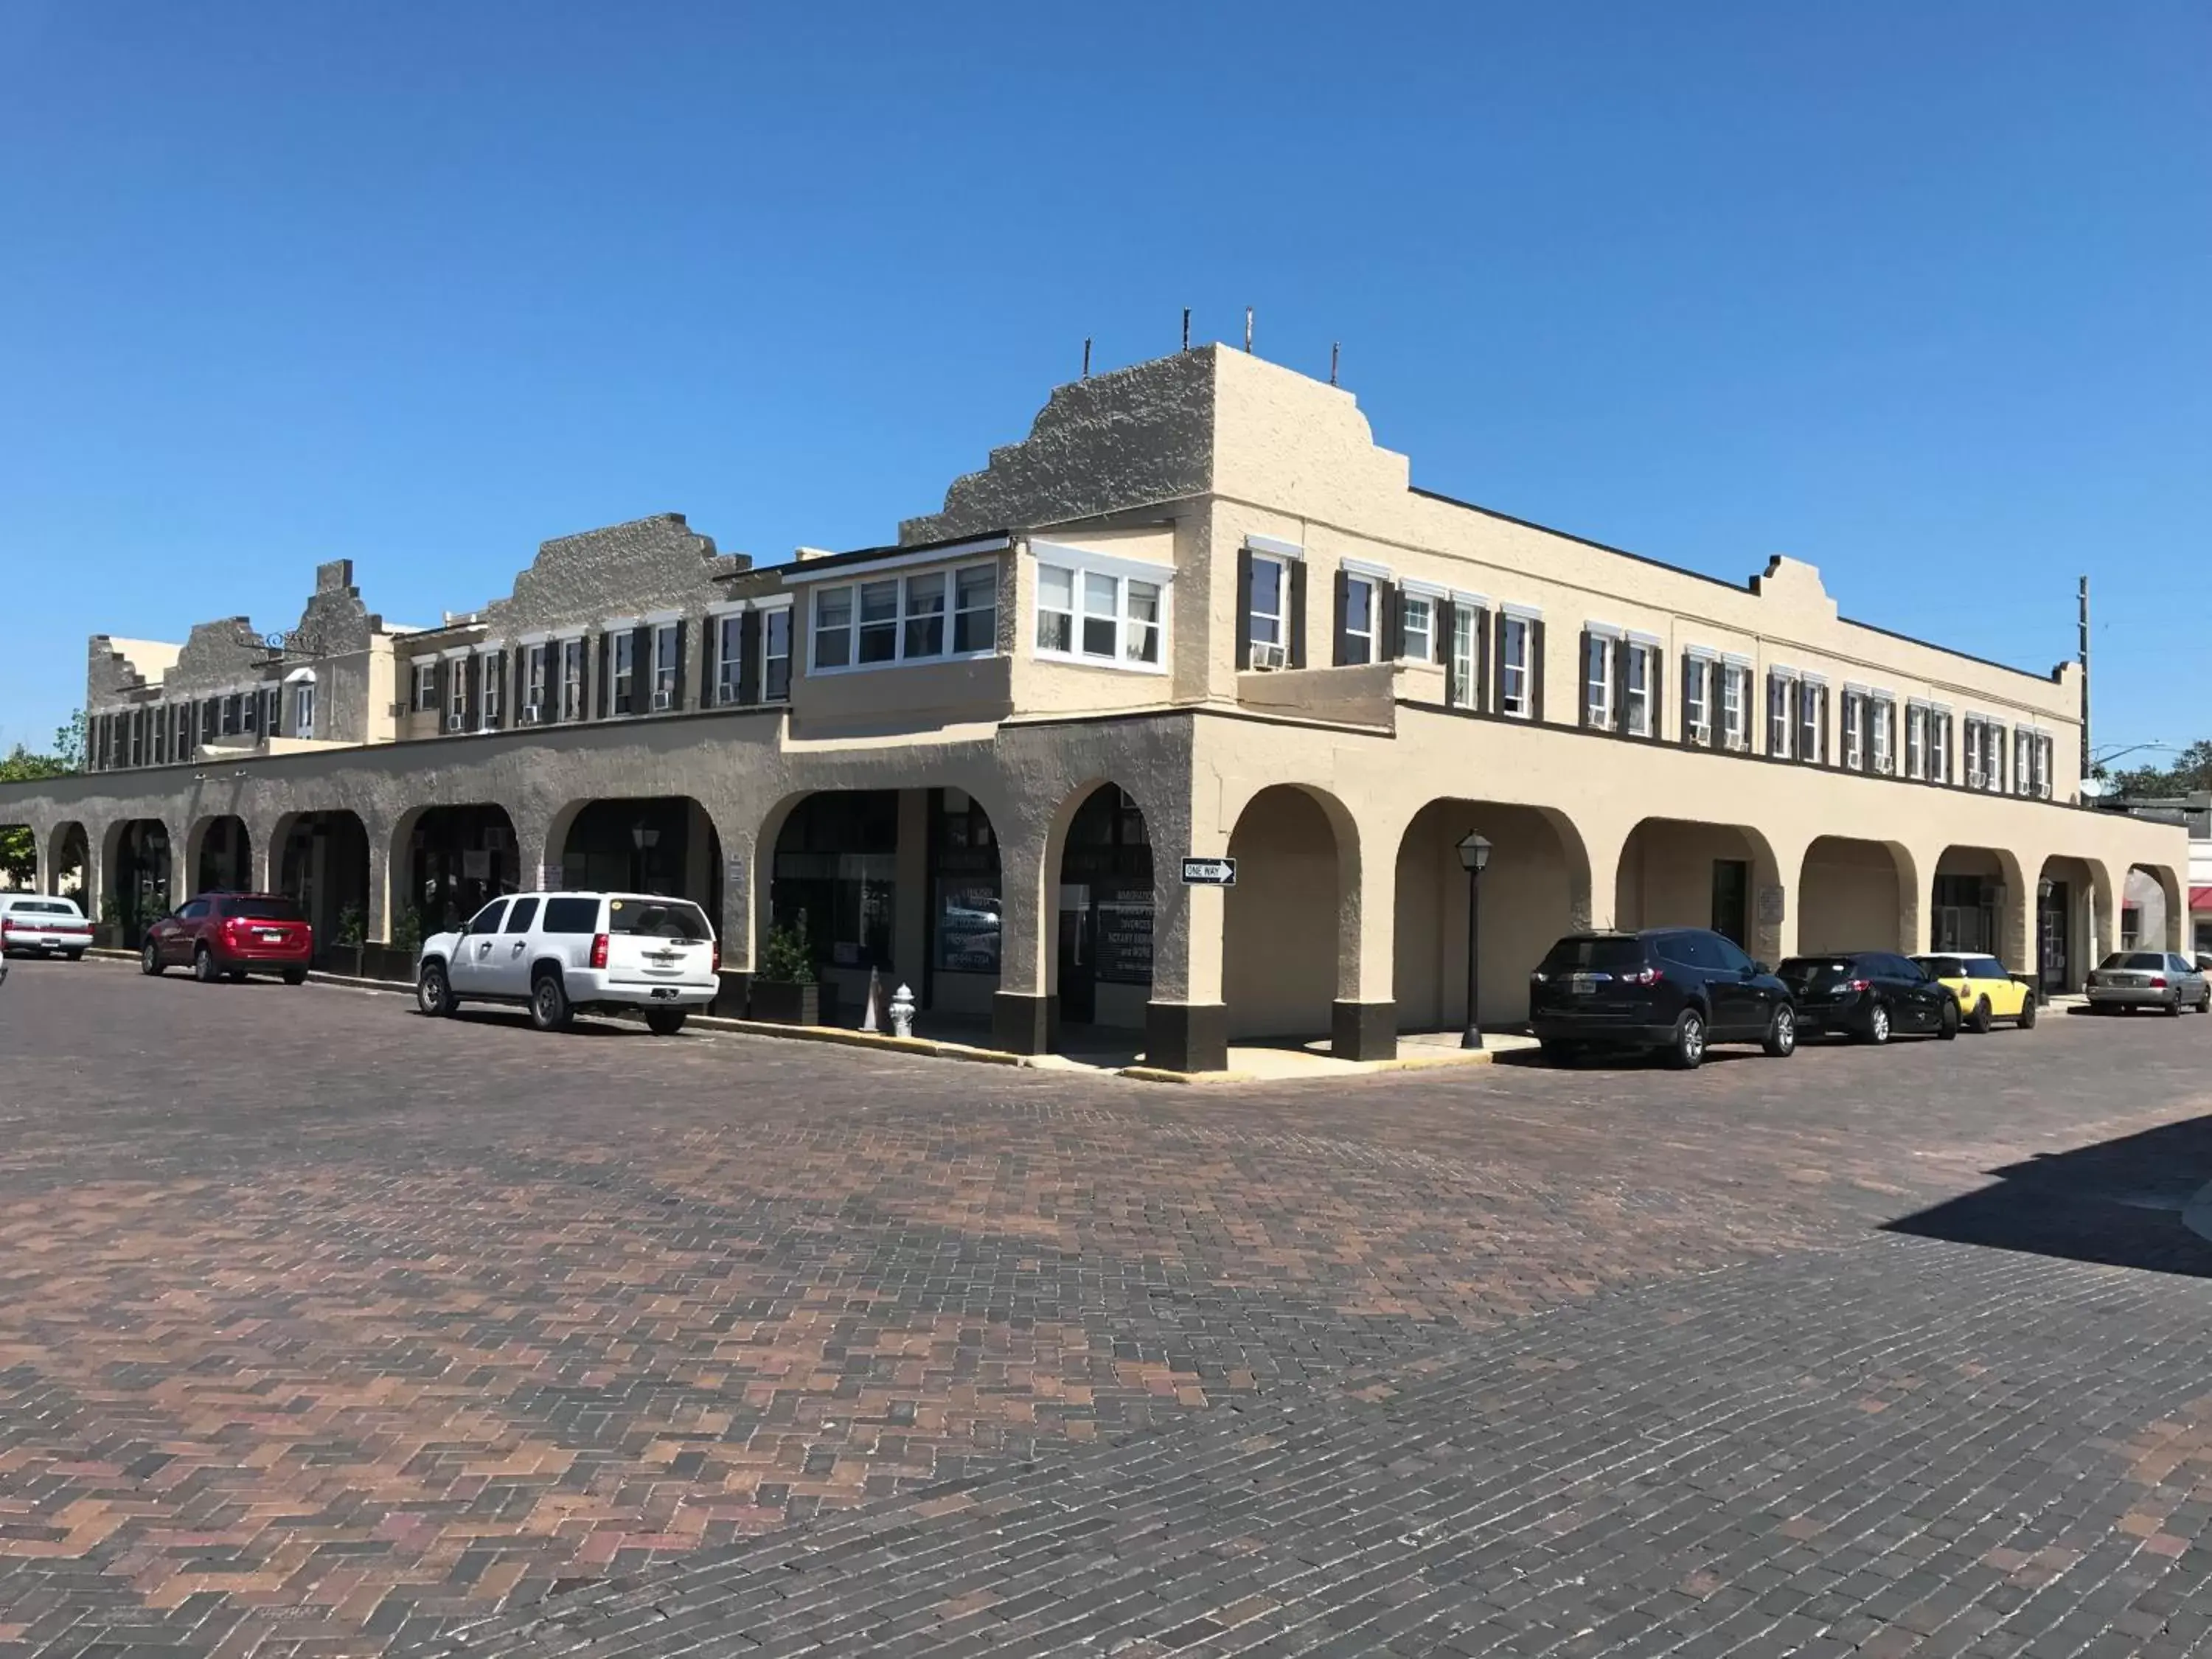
(324, 1329)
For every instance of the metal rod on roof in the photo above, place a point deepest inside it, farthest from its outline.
(1186, 328)
(1247, 328)
(1086, 356)
(1333, 349)
(2085, 675)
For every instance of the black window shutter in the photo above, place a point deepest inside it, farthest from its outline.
(1655, 693)
(1496, 680)
(641, 669)
(606, 698)
(1482, 697)
(1581, 681)
(1390, 632)
(1536, 669)
(1296, 656)
(1620, 700)
(471, 691)
(1243, 609)
(441, 678)
(1866, 734)
(1689, 667)
(1443, 618)
(749, 658)
(518, 681)
(683, 680)
(1343, 605)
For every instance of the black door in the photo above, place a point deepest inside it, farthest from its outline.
(1078, 955)
(1732, 899)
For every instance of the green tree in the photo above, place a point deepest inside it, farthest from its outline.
(19, 852)
(2191, 773)
(68, 743)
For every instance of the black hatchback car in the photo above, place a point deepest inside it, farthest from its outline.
(1868, 996)
(1673, 989)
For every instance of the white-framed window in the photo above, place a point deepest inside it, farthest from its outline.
(1881, 733)
(622, 677)
(1417, 628)
(1636, 714)
(897, 619)
(1939, 746)
(776, 654)
(1597, 681)
(1105, 617)
(1357, 626)
(1466, 656)
(1854, 731)
(572, 678)
(1736, 707)
(303, 707)
(1916, 741)
(1780, 723)
(667, 649)
(1698, 699)
(2044, 757)
(491, 668)
(1517, 685)
(533, 678)
(729, 656)
(425, 699)
(231, 715)
(2023, 765)
(1812, 721)
(1976, 767)
(249, 713)
(457, 688)
(1267, 614)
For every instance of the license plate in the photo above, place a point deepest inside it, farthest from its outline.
(269, 935)
(1585, 985)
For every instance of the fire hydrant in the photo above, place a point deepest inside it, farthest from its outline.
(902, 1011)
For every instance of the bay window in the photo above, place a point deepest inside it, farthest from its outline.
(1102, 614)
(929, 617)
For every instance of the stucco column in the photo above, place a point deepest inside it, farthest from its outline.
(1363, 1018)
(1595, 902)
(1777, 886)
(261, 855)
(1187, 1021)
(1025, 1009)
(98, 883)
(376, 925)
(2016, 925)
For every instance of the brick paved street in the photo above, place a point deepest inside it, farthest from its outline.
(326, 1329)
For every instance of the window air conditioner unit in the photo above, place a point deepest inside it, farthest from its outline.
(663, 702)
(1268, 656)
(453, 722)
(532, 714)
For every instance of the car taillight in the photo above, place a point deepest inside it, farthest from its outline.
(2158, 983)
(230, 926)
(717, 956)
(1642, 976)
(599, 950)
(1858, 985)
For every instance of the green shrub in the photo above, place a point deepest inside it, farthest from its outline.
(787, 958)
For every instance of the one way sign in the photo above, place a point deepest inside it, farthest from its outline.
(1209, 873)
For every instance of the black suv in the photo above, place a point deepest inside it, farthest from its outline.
(1674, 989)
(1869, 996)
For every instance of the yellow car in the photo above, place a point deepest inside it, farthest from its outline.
(1987, 993)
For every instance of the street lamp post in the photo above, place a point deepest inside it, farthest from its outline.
(2044, 887)
(1474, 856)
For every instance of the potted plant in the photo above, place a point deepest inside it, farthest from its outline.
(108, 934)
(786, 991)
(353, 934)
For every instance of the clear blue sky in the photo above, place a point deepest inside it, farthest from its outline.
(1917, 292)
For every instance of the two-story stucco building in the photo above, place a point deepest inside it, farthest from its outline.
(1197, 612)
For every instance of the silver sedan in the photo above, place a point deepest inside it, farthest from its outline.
(2148, 979)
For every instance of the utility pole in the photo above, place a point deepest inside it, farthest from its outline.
(2085, 679)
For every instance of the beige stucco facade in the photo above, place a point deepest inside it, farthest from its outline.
(1100, 609)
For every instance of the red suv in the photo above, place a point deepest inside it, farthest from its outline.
(230, 935)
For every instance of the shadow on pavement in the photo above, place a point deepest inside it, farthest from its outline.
(2120, 1203)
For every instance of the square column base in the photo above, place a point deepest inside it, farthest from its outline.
(1023, 1022)
(1363, 1030)
(737, 989)
(1187, 1036)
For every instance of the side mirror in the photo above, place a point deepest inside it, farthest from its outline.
(1760, 968)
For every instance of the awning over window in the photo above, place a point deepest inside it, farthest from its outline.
(2200, 898)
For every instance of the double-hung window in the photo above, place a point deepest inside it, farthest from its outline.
(1517, 666)
(1103, 615)
(249, 713)
(303, 709)
(1939, 746)
(457, 690)
(1417, 628)
(975, 609)
(1267, 617)
(1736, 707)
(1881, 731)
(232, 713)
(1855, 732)
(833, 627)
(1916, 741)
(1597, 679)
(533, 682)
(879, 605)
(667, 652)
(2042, 752)
(491, 668)
(426, 686)
(1812, 721)
(1780, 721)
(621, 674)
(2023, 765)
(729, 657)
(1637, 717)
(1698, 699)
(920, 618)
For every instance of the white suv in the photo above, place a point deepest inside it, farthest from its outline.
(556, 953)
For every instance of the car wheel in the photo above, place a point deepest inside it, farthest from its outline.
(2173, 1008)
(434, 991)
(1946, 1023)
(1781, 1040)
(1877, 1026)
(1687, 1050)
(1982, 1020)
(2028, 1014)
(204, 968)
(664, 1021)
(149, 958)
(296, 976)
(549, 1003)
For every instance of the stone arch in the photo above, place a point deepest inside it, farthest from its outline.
(320, 859)
(1858, 894)
(137, 859)
(1690, 872)
(218, 853)
(448, 859)
(1103, 881)
(67, 847)
(2166, 929)
(1535, 889)
(1980, 901)
(1293, 929)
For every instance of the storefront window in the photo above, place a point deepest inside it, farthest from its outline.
(965, 854)
(837, 862)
